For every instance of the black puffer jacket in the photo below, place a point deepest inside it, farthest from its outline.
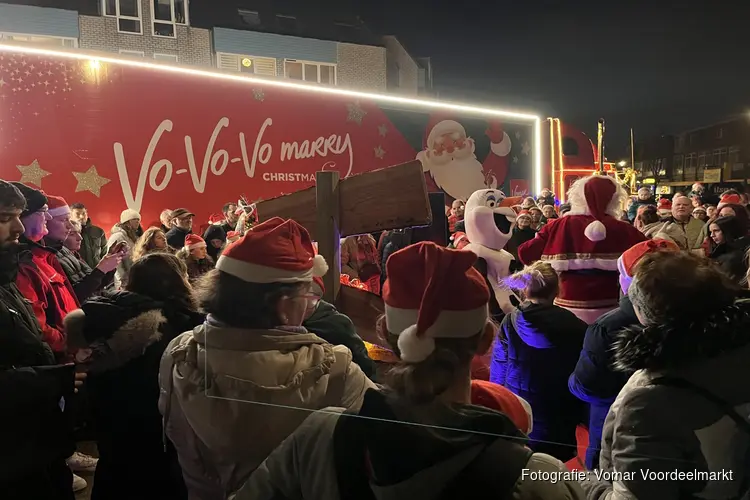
(85, 281)
(36, 429)
(93, 245)
(128, 333)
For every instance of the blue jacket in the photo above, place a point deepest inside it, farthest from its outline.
(536, 349)
(594, 380)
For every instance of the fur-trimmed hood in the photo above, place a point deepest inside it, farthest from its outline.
(117, 328)
(662, 347)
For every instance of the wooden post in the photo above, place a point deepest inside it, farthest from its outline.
(327, 230)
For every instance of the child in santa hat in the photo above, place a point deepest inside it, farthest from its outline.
(421, 436)
(196, 258)
(235, 387)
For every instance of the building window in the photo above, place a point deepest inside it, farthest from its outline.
(167, 14)
(678, 162)
(310, 71)
(264, 66)
(661, 169)
(249, 17)
(132, 53)
(720, 133)
(702, 160)
(127, 13)
(720, 156)
(50, 41)
(690, 160)
(168, 58)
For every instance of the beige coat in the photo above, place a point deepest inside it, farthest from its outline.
(230, 396)
(687, 236)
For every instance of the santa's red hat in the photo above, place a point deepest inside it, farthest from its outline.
(598, 192)
(193, 241)
(729, 199)
(433, 292)
(664, 204)
(523, 213)
(275, 251)
(57, 206)
(438, 124)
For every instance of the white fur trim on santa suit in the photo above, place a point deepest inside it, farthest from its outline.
(200, 244)
(562, 265)
(255, 273)
(503, 147)
(449, 324)
(59, 211)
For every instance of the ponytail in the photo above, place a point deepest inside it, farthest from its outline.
(537, 281)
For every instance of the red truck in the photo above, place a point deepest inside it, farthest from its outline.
(115, 133)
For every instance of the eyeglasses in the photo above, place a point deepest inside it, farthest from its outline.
(311, 298)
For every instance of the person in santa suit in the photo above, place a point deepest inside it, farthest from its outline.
(449, 157)
(584, 245)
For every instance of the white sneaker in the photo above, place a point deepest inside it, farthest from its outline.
(80, 462)
(79, 484)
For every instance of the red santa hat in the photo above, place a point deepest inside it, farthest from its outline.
(193, 241)
(275, 251)
(433, 292)
(664, 207)
(57, 206)
(729, 199)
(598, 191)
(523, 213)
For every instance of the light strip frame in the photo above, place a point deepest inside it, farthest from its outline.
(285, 84)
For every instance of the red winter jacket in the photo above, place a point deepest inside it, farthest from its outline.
(42, 281)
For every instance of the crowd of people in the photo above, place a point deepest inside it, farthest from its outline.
(206, 365)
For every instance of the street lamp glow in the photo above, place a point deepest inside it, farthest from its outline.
(622, 163)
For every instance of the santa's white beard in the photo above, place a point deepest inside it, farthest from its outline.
(459, 178)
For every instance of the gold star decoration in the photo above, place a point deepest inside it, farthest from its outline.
(383, 130)
(356, 113)
(379, 152)
(90, 180)
(259, 95)
(32, 173)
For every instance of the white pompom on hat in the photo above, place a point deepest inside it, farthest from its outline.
(433, 292)
(275, 251)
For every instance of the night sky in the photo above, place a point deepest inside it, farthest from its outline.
(658, 69)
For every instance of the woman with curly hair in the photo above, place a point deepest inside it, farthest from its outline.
(153, 240)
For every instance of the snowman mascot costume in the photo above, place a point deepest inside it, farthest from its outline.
(489, 221)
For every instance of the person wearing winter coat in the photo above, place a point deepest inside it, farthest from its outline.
(325, 321)
(85, 281)
(522, 233)
(680, 227)
(684, 410)
(128, 332)
(236, 386)
(645, 197)
(181, 226)
(731, 242)
(122, 240)
(536, 349)
(215, 238)
(41, 279)
(94, 243)
(594, 379)
(437, 320)
(195, 256)
(36, 426)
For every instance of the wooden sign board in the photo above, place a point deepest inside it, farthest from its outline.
(390, 198)
(364, 309)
